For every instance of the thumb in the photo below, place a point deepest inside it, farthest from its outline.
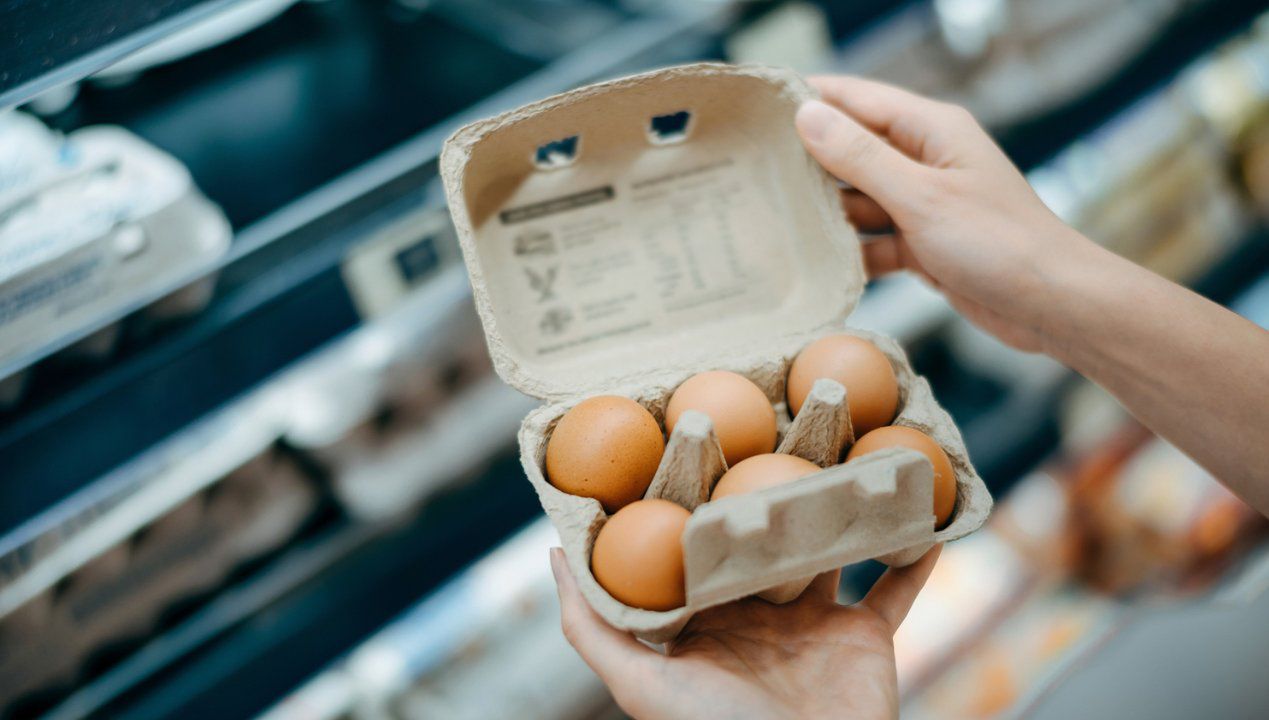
(855, 155)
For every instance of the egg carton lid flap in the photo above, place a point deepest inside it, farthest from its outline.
(649, 224)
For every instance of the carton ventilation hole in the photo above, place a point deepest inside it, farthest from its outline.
(557, 153)
(669, 129)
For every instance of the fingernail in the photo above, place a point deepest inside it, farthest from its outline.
(557, 562)
(814, 119)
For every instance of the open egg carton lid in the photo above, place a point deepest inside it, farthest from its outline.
(621, 232)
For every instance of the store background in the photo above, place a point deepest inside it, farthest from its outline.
(278, 476)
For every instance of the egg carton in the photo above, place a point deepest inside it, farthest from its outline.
(124, 593)
(97, 225)
(625, 236)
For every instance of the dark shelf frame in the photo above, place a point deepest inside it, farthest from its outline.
(46, 45)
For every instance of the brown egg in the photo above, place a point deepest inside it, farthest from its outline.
(606, 447)
(743, 417)
(899, 436)
(638, 555)
(872, 392)
(760, 472)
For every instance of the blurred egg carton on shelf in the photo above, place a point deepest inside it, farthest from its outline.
(1013, 664)
(999, 621)
(975, 580)
(1006, 60)
(94, 226)
(1151, 522)
(405, 405)
(1149, 517)
(96, 576)
(1153, 185)
(486, 644)
(1231, 90)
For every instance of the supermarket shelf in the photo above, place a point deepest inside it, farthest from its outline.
(280, 626)
(76, 40)
(488, 638)
(303, 562)
(287, 619)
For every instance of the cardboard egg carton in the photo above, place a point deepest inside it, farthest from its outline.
(624, 236)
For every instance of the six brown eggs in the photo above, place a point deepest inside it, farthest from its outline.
(609, 448)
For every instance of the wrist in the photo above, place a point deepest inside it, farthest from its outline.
(1071, 275)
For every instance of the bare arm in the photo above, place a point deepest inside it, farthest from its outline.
(946, 203)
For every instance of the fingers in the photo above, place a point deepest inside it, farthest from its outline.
(892, 595)
(882, 255)
(864, 212)
(876, 104)
(823, 589)
(889, 253)
(854, 154)
(614, 655)
(925, 129)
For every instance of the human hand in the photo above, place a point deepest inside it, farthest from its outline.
(939, 198)
(810, 658)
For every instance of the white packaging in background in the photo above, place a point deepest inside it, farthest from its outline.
(113, 225)
(28, 153)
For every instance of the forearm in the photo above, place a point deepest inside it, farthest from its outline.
(1193, 372)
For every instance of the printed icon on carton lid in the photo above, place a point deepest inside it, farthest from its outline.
(555, 321)
(543, 281)
(535, 242)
